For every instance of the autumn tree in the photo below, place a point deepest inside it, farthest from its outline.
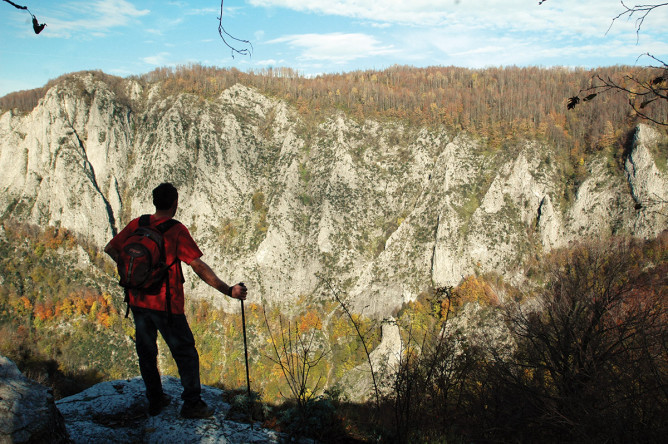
(298, 350)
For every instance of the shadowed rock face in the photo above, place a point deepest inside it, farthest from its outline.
(384, 209)
(116, 412)
(27, 410)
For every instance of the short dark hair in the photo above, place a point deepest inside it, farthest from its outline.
(164, 196)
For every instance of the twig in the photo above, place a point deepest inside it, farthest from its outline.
(222, 32)
(362, 338)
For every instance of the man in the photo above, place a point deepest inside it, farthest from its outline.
(150, 311)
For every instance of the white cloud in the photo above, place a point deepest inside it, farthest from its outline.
(461, 47)
(590, 18)
(271, 62)
(397, 11)
(96, 17)
(187, 9)
(379, 25)
(203, 11)
(335, 47)
(159, 59)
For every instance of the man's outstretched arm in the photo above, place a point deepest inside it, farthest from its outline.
(209, 276)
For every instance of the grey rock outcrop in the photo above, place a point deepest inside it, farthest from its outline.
(116, 412)
(385, 209)
(28, 413)
(648, 185)
(357, 385)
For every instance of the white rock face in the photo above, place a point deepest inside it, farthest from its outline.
(116, 412)
(385, 210)
(649, 186)
(357, 384)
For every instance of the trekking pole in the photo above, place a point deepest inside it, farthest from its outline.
(250, 400)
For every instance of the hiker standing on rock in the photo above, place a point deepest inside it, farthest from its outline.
(155, 295)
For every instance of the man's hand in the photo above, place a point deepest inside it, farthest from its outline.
(238, 291)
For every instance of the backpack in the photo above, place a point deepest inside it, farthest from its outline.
(142, 263)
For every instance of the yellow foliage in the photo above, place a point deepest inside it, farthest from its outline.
(475, 289)
(309, 321)
(93, 308)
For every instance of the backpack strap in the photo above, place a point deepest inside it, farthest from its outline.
(162, 228)
(144, 220)
(166, 225)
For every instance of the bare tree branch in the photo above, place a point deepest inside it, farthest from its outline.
(223, 33)
(297, 355)
(645, 94)
(36, 26)
(641, 10)
(651, 90)
(362, 336)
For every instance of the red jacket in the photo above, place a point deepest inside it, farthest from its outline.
(180, 245)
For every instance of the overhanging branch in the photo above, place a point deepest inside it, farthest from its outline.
(36, 26)
(223, 34)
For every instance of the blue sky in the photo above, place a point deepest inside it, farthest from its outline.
(125, 37)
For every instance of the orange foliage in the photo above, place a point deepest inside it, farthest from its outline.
(475, 289)
(43, 311)
(103, 318)
(26, 303)
(76, 304)
(309, 321)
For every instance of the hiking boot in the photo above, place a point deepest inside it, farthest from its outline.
(155, 407)
(197, 409)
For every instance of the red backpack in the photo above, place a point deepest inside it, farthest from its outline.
(142, 263)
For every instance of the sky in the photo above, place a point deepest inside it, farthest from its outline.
(133, 37)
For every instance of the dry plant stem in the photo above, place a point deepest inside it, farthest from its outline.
(294, 359)
(362, 338)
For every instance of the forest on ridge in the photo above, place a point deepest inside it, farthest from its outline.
(497, 104)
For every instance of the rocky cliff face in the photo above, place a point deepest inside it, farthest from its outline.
(383, 209)
(28, 413)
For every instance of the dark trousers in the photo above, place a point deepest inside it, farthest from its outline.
(176, 333)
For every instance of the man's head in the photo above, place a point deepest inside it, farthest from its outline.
(165, 196)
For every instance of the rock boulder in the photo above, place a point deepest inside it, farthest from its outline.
(116, 412)
(28, 413)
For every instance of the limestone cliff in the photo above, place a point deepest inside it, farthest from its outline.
(385, 209)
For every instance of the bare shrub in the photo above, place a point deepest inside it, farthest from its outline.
(592, 356)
